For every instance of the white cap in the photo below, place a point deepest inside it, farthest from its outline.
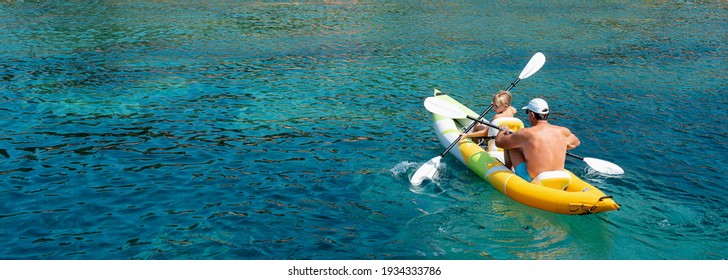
(538, 106)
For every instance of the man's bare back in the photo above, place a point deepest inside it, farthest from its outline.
(542, 146)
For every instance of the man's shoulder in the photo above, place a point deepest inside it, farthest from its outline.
(555, 126)
(561, 129)
(544, 127)
(526, 130)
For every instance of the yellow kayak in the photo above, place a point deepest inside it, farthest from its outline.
(558, 191)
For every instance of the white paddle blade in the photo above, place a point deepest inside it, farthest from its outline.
(426, 171)
(604, 166)
(536, 62)
(440, 107)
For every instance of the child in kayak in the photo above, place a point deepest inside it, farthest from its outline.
(502, 108)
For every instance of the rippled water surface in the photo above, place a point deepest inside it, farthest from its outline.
(233, 130)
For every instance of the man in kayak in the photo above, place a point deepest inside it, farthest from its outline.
(539, 148)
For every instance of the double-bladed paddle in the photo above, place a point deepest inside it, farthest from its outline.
(429, 169)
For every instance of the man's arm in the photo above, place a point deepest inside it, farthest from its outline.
(509, 140)
(482, 133)
(571, 140)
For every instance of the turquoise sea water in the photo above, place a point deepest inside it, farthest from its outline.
(235, 130)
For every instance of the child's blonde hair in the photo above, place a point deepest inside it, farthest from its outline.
(502, 98)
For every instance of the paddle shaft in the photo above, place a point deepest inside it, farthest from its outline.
(494, 126)
(467, 130)
(573, 155)
(513, 84)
